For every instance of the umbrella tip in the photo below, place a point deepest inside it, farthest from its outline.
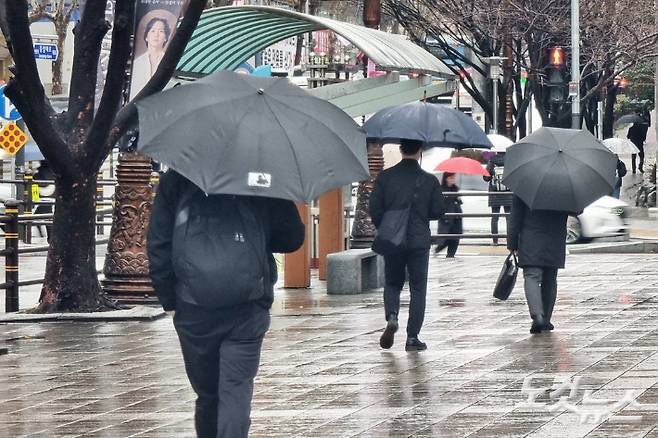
(261, 91)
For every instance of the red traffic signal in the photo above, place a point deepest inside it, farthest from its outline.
(556, 57)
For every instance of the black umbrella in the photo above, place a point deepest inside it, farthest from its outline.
(245, 135)
(632, 118)
(435, 125)
(559, 169)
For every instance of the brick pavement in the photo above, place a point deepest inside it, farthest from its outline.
(323, 374)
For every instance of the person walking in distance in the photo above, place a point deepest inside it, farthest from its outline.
(538, 237)
(637, 134)
(406, 185)
(211, 264)
(495, 167)
(450, 225)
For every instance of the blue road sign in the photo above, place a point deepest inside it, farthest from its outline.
(7, 109)
(45, 51)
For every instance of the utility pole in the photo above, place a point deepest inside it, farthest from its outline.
(575, 63)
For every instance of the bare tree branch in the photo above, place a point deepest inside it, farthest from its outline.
(115, 78)
(25, 89)
(89, 35)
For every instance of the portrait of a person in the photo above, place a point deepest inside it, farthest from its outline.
(156, 36)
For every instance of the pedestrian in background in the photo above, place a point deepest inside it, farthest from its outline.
(211, 262)
(450, 225)
(538, 237)
(621, 172)
(44, 173)
(397, 188)
(496, 167)
(637, 134)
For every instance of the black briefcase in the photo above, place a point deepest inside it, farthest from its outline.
(507, 278)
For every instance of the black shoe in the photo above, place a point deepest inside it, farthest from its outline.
(450, 256)
(549, 327)
(387, 338)
(414, 344)
(640, 169)
(536, 328)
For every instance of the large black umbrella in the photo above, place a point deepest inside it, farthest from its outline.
(435, 125)
(632, 118)
(559, 169)
(244, 135)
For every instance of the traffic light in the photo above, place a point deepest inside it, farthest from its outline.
(555, 73)
(556, 57)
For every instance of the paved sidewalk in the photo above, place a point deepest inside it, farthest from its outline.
(323, 374)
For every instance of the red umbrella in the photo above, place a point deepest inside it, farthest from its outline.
(464, 165)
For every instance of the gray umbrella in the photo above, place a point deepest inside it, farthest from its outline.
(632, 118)
(245, 135)
(435, 125)
(559, 169)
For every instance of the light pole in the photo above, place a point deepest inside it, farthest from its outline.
(494, 73)
(575, 64)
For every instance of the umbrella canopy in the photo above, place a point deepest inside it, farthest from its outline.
(434, 125)
(632, 118)
(620, 146)
(464, 165)
(559, 169)
(500, 142)
(247, 135)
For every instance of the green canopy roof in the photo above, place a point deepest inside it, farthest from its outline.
(228, 36)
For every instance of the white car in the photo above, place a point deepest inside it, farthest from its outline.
(605, 217)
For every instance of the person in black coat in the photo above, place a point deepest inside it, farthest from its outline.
(221, 347)
(496, 167)
(637, 134)
(395, 189)
(621, 172)
(538, 237)
(450, 225)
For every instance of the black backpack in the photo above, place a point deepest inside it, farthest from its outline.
(219, 250)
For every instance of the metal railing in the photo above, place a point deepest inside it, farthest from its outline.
(11, 222)
(24, 188)
(473, 193)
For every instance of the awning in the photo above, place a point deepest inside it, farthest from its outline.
(228, 36)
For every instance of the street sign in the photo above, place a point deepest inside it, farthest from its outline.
(12, 139)
(573, 88)
(7, 109)
(46, 51)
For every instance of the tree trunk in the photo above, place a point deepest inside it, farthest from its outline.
(609, 112)
(71, 282)
(60, 30)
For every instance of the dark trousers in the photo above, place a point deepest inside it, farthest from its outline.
(221, 354)
(494, 219)
(451, 244)
(44, 209)
(415, 261)
(540, 291)
(633, 158)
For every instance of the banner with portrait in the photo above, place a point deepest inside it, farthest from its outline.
(155, 24)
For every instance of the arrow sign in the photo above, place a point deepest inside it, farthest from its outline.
(7, 109)
(45, 51)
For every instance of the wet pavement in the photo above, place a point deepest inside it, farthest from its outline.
(324, 375)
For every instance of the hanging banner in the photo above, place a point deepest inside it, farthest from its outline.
(155, 24)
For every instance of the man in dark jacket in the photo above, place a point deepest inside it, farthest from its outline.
(637, 134)
(538, 237)
(221, 346)
(496, 167)
(394, 190)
